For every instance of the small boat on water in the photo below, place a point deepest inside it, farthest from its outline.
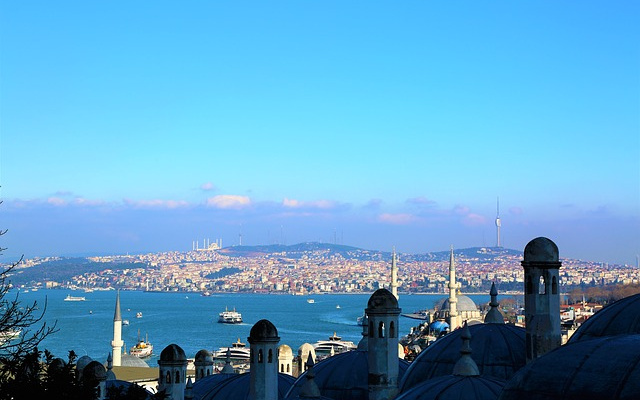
(311, 301)
(338, 306)
(237, 351)
(125, 322)
(142, 349)
(74, 298)
(139, 314)
(230, 317)
(334, 343)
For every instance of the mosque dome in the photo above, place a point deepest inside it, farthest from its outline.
(83, 362)
(57, 365)
(381, 299)
(600, 368)
(263, 330)
(233, 387)
(94, 372)
(464, 304)
(499, 351)
(439, 326)
(203, 356)
(127, 360)
(541, 249)
(285, 351)
(344, 376)
(173, 353)
(452, 387)
(621, 317)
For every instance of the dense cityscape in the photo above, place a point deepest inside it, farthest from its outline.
(306, 268)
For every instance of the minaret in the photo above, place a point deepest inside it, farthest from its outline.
(116, 343)
(394, 273)
(263, 340)
(382, 345)
(541, 297)
(498, 223)
(453, 300)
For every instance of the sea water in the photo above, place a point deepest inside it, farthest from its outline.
(190, 319)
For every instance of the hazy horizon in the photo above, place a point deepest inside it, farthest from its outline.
(141, 127)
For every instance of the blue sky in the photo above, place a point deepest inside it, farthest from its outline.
(142, 126)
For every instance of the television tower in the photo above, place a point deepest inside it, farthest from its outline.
(498, 223)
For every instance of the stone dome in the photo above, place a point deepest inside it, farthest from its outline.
(464, 304)
(94, 372)
(452, 387)
(127, 360)
(498, 350)
(381, 299)
(57, 365)
(263, 330)
(541, 249)
(203, 356)
(285, 351)
(173, 353)
(233, 387)
(439, 326)
(600, 368)
(344, 376)
(621, 317)
(83, 362)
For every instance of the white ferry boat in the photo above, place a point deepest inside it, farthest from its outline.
(74, 298)
(238, 351)
(336, 343)
(311, 301)
(142, 349)
(230, 317)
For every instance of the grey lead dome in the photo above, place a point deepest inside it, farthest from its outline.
(541, 249)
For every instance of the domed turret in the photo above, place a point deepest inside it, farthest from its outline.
(172, 371)
(173, 353)
(541, 249)
(263, 330)
(203, 362)
(382, 299)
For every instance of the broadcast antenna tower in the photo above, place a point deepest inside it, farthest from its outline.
(498, 223)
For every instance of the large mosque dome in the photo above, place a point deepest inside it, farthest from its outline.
(452, 387)
(343, 376)
(464, 304)
(621, 317)
(499, 350)
(233, 387)
(600, 368)
(127, 360)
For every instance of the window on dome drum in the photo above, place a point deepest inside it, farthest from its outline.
(177, 376)
(554, 285)
(260, 355)
(381, 329)
(542, 286)
(208, 372)
(281, 367)
(529, 285)
(168, 379)
(288, 368)
(270, 360)
(392, 330)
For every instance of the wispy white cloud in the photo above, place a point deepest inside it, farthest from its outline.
(474, 219)
(397, 219)
(420, 201)
(156, 203)
(57, 201)
(229, 201)
(320, 204)
(207, 187)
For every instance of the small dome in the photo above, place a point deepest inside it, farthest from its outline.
(285, 351)
(498, 350)
(439, 326)
(621, 317)
(57, 365)
(94, 372)
(233, 387)
(83, 362)
(541, 250)
(451, 387)
(203, 357)
(263, 330)
(304, 350)
(173, 353)
(464, 304)
(128, 360)
(344, 376)
(381, 299)
(601, 368)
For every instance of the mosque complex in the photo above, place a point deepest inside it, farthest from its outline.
(474, 356)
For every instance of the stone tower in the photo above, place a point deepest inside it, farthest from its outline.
(263, 340)
(541, 299)
(382, 345)
(453, 299)
(285, 359)
(203, 362)
(117, 343)
(172, 375)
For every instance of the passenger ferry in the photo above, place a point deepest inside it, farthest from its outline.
(311, 301)
(230, 317)
(73, 298)
(336, 343)
(237, 351)
(142, 349)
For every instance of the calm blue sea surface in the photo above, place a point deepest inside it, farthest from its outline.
(190, 320)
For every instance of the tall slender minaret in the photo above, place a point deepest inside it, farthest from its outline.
(498, 223)
(116, 343)
(453, 300)
(394, 273)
